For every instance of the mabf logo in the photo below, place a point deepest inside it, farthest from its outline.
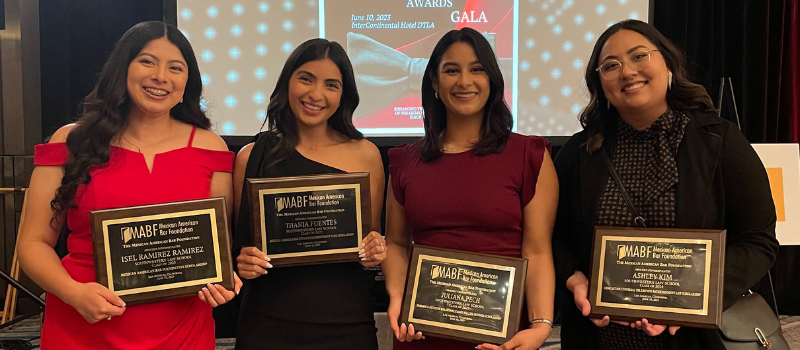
(127, 234)
(280, 203)
(436, 272)
(622, 251)
(292, 202)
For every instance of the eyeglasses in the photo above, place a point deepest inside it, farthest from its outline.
(638, 60)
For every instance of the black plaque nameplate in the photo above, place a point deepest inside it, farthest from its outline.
(669, 276)
(311, 219)
(162, 251)
(462, 295)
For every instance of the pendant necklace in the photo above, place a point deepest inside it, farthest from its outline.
(139, 148)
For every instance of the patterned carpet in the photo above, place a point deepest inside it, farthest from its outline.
(19, 336)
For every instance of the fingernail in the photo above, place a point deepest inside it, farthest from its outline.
(363, 259)
(204, 288)
(267, 258)
(237, 292)
(269, 266)
(123, 304)
(360, 252)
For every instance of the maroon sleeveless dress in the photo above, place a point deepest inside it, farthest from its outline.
(467, 202)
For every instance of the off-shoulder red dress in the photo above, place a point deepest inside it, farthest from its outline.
(180, 174)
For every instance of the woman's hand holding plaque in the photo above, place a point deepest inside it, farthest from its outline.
(252, 263)
(528, 339)
(578, 284)
(94, 302)
(653, 329)
(216, 295)
(403, 332)
(373, 250)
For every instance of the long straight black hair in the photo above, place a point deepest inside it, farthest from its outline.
(280, 118)
(683, 96)
(105, 110)
(497, 119)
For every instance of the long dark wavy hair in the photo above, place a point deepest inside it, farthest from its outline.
(104, 111)
(683, 96)
(280, 118)
(497, 119)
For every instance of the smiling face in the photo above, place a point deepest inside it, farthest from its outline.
(643, 93)
(157, 78)
(315, 91)
(461, 82)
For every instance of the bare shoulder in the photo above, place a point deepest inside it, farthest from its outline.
(208, 139)
(61, 134)
(365, 150)
(244, 154)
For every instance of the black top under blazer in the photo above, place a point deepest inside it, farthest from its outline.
(722, 185)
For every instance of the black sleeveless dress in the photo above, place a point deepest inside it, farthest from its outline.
(303, 307)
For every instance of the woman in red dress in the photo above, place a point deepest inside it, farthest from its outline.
(141, 139)
(471, 184)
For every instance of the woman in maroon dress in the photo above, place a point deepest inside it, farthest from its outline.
(471, 184)
(141, 139)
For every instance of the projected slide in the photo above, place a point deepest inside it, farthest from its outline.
(541, 45)
(389, 43)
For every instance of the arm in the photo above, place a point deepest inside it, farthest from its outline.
(251, 262)
(565, 261)
(36, 242)
(377, 182)
(221, 182)
(239, 167)
(398, 242)
(749, 217)
(539, 217)
(221, 186)
(374, 249)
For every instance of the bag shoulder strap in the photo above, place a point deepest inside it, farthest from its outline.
(637, 219)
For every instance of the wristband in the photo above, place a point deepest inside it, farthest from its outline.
(541, 320)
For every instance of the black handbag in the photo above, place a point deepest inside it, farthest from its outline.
(749, 324)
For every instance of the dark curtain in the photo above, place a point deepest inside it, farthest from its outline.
(76, 38)
(755, 43)
(789, 106)
(787, 129)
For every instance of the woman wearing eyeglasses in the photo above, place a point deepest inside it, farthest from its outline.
(682, 167)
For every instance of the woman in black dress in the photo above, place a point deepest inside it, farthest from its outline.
(310, 131)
